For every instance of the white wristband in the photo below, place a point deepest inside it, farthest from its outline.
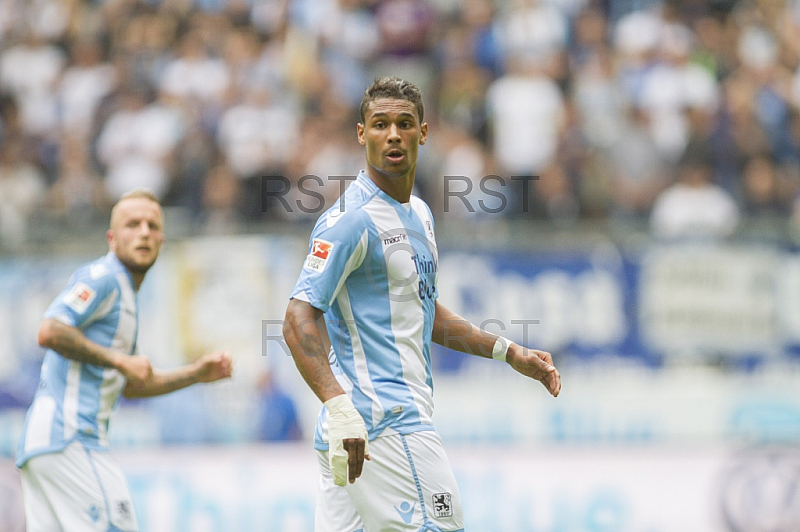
(500, 348)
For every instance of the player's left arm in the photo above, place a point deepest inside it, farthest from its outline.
(208, 368)
(452, 331)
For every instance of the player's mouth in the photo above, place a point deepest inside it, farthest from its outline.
(395, 156)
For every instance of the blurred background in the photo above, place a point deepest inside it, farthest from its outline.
(615, 181)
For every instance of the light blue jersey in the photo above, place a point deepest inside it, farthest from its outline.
(372, 269)
(75, 400)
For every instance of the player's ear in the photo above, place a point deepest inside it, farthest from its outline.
(360, 132)
(424, 136)
(110, 237)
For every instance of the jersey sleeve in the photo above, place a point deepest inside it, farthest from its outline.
(337, 247)
(89, 294)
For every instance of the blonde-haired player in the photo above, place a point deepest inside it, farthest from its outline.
(69, 482)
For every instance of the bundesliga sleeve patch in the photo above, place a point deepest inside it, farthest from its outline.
(79, 297)
(318, 258)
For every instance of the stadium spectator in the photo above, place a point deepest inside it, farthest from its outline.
(638, 174)
(694, 208)
(78, 195)
(736, 63)
(526, 117)
(222, 191)
(671, 87)
(350, 42)
(766, 193)
(82, 86)
(30, 71)
(196, 75)
(536, 31)
(277, 418)
(138, 141)
(22, 189)
(407, 30)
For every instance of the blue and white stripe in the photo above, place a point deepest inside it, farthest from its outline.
(379, 305)
(75, 400)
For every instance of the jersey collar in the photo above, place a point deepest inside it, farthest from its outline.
(364, 180)
(117, 265)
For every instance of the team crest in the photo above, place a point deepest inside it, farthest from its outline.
(122, 511)
(442, 505)
(429, 230)
(320, 252)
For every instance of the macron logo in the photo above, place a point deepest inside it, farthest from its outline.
(406, 512)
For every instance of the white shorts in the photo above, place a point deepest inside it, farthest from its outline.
(76, 490)
(407, 485)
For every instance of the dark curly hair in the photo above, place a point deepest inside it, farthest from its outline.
(395, 88)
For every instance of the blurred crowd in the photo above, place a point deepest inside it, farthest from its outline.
(685, 113)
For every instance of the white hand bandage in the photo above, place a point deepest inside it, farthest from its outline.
(500, 348)
(344, 422)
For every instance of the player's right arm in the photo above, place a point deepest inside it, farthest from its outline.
(70, 342)
(337, 246)
(346, 430)
(302, 334)
(90, 294)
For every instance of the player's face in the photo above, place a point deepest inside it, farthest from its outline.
(136, 233)
(392, 134)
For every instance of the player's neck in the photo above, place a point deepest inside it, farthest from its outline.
(138, 278)
(397, 187)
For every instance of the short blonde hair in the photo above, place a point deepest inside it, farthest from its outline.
(139, 193)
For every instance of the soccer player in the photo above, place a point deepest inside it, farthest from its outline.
(69, 482)
(371, 272)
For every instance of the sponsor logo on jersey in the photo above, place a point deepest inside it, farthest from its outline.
(406, 511)
(93, 512)
(320, 252)
(79, 297)
(396, 239)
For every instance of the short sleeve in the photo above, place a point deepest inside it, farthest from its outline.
(90, 291)
(337, 247)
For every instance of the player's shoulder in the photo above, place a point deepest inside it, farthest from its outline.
(422, 209)
(419, 203)
(91, 282)
(99, 274)
(347, 213)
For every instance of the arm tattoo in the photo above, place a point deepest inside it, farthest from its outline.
(317, 371)
(70, 342)
(312, 345)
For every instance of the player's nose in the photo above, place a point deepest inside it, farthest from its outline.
(394, 133)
